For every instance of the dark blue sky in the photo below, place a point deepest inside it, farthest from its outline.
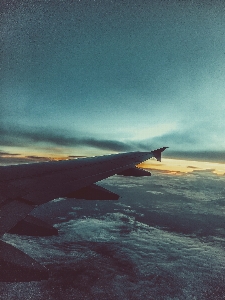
(92, 77)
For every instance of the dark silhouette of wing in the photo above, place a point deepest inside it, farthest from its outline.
(23, 187)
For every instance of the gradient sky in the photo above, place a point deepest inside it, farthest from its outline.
(96, 77)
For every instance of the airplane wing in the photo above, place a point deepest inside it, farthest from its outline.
(24, 187)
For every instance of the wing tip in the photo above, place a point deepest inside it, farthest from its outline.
(158, 153)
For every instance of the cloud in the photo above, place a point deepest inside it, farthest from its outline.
(214, 156)
(2, 153)
(192, 167)
(35, 157)
(76, 156)
(8, 158)
(20, 136)
(12, 136)
(178, 139)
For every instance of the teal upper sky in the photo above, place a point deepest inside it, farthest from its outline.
(102, 76)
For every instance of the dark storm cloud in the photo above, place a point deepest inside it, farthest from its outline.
(215, 156)
(190, 145)
(178, 139)
(2, 153)
(21, 136)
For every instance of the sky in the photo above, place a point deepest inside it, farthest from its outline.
(85, 78)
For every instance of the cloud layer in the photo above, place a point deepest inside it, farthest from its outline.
(48, 138)
(22, 136)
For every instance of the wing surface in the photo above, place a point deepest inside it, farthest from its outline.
(23, 187)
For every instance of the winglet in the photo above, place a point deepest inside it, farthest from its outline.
(158, 153)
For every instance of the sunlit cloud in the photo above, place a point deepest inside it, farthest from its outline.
(184, 166)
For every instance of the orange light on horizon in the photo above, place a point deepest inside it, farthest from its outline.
(171, 166)
(175, 166)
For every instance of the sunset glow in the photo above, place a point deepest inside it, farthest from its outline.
(184, 166)
(170, 166)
